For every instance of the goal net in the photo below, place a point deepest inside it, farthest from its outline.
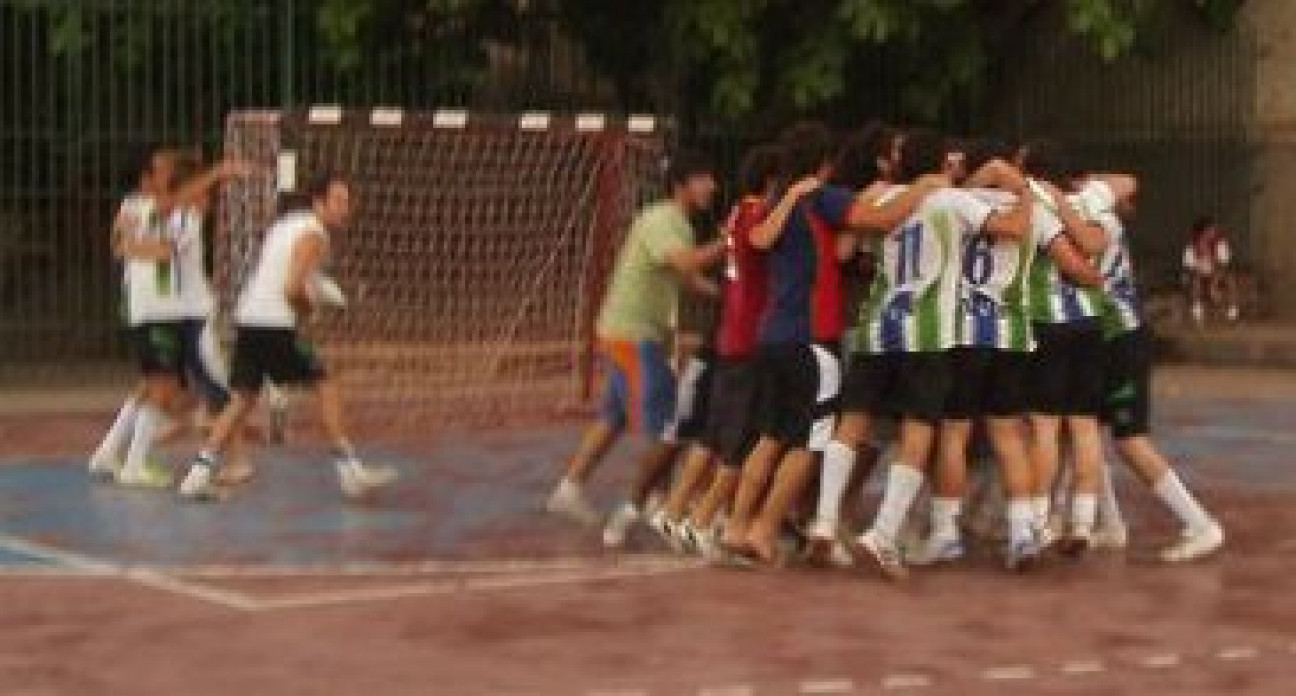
(477, 256)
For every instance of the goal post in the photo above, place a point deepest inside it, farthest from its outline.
(477, 257)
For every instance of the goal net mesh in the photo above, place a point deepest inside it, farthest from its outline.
(477, 257)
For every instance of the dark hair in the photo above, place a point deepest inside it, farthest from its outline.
(1201, 225)
(759, 168)
(923, 152)
(807, 147)
(686, 164)
(317, 186)
(1048, 160)
(980, 151)
(188, 164)
(856, 165)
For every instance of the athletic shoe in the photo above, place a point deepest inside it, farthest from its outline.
(1111, 537)
(821, 539)
(1075, 544)
(198, 484)
(618, 526)
(151, 475)
(568, 500)
(1021, 556)
(104, 470)
(665, 529)
(690, 539)
(870, 548)
(933, 551)
(358, 479)
(1195, 544)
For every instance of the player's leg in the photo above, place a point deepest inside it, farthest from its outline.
(1046, 397)
(696, 385)
(759, 465)
(922, 391)
(1086, 376)
(653, 410)
(160, 347)
(815, 385)
(107, 457)
(691, 481)
(1129, 409)
(354, 476)
(864, 390)
(621, 386)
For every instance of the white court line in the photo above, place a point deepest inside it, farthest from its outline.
(1163, 661)
(826, 686)
(1010, 673)
(906, 681)
(1241, 652)
(731, 690)
(1224, 432)
(433, 567)
(1076, 667)
(618, 692)
(351, 596)
(96, 567)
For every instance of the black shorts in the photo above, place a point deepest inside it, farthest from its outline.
(1127, 407)
(1066, 374)
(692, 393)
(731, 423)
(986, 382)
(279, 355)
(898, 385)
(159, 348)
(799, 384)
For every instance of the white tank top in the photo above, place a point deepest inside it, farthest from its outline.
(195, 293)
(264, 302)
(151, 286)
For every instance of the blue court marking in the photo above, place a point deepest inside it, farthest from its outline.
(11, 558)
(458, 501)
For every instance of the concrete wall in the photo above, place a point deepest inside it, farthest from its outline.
(1271, 25)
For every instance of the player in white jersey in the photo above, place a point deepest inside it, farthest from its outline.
(990, 364)
(1127, 405)
(900, 365)
(282, 292)
(144, 243)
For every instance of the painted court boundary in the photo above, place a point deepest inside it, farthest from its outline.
(485, 575)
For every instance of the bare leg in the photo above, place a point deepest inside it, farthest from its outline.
(790, 480)
(1044, 462)
(756, 472)
(697, 464)
(595, 443)
(716, 497)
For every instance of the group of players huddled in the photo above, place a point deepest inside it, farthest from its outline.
(1002, 322)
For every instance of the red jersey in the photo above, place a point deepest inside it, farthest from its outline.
(746, 280)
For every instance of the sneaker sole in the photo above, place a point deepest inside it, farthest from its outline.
(864, 557)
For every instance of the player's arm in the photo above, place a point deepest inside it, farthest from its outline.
(194, 191)
(127, 246)
(869, 213)
(1090, 237)
(307, 255)
(1123, 186)
(1073, 265)
(690, 260)
(847, 246)
(1014, 222)
(765, 234)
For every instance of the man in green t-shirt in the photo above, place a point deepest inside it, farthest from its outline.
(659, 256)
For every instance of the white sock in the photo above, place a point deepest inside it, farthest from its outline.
(1039, 505)
(147, 423)
(1084, 509)
(118, 433)
(944, 518)
(1021, 520)
(1171, 490)
(838, 460)
(902, 485)
(1109, 512)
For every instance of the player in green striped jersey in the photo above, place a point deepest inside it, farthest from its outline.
(908, 326)
(990, 362)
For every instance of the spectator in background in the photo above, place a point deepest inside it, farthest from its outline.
(1207, 263)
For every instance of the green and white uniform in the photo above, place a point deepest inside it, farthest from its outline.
(914, 301)
(1054, 299)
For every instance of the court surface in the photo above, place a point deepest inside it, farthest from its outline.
(453, 583)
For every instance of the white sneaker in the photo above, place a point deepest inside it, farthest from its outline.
(568, 500)
(104, 469)
(703, 542)
(880, 553)
(197, 484)
(934, 550)
(667, 530)
(1195, 544)
(618, 526)
(840, 556)
(1110, 537)
(357, 479)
